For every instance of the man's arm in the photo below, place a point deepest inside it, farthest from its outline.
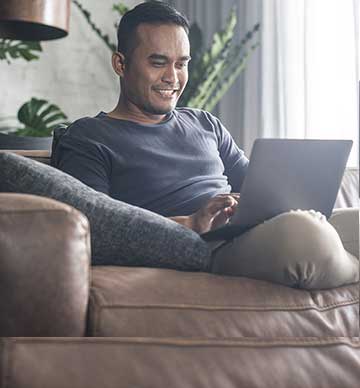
(234, 159)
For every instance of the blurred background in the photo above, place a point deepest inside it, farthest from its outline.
(297, 67)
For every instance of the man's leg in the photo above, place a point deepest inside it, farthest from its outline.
(298, 249)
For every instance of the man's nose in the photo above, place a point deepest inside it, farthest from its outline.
(170, 75)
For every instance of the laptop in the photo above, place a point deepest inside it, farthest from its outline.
(284, 175)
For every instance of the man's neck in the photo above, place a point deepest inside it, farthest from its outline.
(124, 112)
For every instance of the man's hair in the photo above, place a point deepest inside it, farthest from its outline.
(153, 12)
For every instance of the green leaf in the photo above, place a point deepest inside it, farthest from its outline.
(216, 94)
(39, 118)
(120, 8)
(54, 118)
(13, 49)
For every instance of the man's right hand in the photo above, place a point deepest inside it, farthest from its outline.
(215, 213)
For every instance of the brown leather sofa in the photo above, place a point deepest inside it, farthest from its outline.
(178, 363)
(172, 328)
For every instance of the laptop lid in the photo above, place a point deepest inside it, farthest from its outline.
(286, 174)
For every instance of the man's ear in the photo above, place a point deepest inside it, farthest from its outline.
(118, 63)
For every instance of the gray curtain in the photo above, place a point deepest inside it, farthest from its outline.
(240, 109)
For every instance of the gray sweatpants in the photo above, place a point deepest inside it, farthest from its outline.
(298, 249)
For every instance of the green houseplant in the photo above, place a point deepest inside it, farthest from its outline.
(38, 119)
(212, 71)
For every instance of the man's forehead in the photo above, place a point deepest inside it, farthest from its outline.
(159, 38)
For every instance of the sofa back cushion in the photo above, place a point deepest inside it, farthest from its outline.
(348, 195)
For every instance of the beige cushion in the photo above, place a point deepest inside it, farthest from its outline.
(348, 195)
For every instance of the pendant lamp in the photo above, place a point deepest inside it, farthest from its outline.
(34, 20)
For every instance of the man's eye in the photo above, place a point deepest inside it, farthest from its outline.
(158, 64)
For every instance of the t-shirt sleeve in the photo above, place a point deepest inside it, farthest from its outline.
(234, 159)
(83, 159)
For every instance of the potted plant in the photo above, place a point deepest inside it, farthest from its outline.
(38, 119)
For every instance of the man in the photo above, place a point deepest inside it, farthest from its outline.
(183, 164)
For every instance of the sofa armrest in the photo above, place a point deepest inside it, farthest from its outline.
(44, 267)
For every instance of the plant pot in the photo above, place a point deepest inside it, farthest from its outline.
(12, 142)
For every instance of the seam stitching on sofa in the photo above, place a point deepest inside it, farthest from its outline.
(91, 326)
(235, 342)
(87, 243)
(8, 349)
(226, 308)
(40, 210)
(3, 359)
(95, 297)
(97, 320)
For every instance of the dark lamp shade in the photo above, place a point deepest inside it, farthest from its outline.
(34, 20)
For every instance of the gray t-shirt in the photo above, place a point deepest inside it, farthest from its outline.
(171, 168)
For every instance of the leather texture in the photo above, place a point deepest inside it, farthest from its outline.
(154, 363)
(44, 267)
(147, 302)
(44, 288)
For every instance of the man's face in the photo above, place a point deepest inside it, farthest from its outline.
(157, 72)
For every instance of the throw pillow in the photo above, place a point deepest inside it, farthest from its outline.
(121, 234)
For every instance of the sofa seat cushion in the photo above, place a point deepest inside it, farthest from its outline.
(148, 302)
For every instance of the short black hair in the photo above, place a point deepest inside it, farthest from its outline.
(153, 12)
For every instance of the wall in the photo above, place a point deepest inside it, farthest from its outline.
(74, 72)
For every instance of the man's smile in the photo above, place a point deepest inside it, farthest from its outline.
(166, 93)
